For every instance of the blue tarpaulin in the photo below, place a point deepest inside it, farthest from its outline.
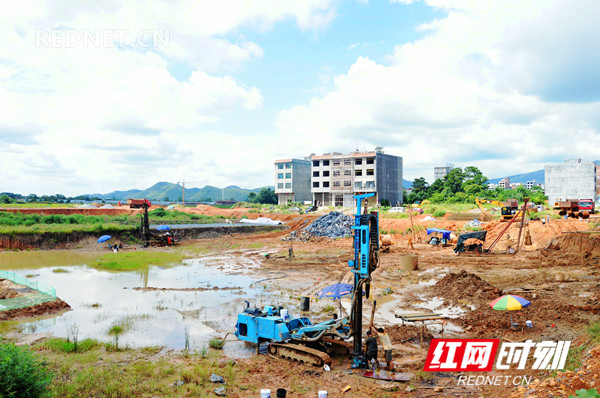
(445, 233)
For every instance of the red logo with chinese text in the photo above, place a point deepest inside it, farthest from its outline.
(461, 355)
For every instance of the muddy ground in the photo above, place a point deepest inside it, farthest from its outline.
(562, 283)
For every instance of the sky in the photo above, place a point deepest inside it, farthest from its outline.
(116, 95)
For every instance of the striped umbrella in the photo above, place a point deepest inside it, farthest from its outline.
(509, 302)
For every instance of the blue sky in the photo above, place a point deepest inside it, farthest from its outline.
(240, 83)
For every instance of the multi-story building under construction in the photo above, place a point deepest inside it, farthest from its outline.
(337, 177)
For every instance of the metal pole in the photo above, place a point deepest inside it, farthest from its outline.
(525, 200)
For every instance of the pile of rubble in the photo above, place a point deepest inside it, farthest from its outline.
(331, 225)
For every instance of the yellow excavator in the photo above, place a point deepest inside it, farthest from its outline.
(421, 205)
(506, 209)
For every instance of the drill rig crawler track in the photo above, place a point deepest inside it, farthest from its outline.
(300, 353)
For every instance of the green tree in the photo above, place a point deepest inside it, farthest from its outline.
(453, 180)
(4, 198)
(420, 189)
(436, 187)
(267, 196)
(251, 197)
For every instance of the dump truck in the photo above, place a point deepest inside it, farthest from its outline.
(571, 208)
(138, 203)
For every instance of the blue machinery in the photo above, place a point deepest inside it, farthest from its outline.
(297, 338)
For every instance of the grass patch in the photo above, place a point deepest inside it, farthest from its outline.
(66, 346)
(216, 343)
(60, 271)
(135, 260)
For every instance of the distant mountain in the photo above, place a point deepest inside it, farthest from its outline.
(539, 176)
(173, 192)
(406, 184)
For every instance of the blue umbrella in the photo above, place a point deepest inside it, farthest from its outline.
(104, 238)
(336, 291)
(163, 228)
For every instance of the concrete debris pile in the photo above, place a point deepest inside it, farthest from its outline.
(331, 225)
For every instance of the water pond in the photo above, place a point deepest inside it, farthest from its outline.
(152, 305)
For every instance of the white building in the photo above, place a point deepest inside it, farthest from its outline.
(337, 177)
(572, 179)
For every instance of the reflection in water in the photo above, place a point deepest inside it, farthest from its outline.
(100, 299)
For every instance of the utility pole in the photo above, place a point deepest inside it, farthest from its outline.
(183, 195)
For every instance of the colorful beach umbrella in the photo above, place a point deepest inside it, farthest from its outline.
(509, 302)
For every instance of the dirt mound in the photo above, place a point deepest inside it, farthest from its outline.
(47, 308)
(464, 285)
(585, 244)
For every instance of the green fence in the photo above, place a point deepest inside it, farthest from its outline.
(20, 280)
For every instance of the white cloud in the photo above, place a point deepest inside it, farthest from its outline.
(106, 109)
(492, 84)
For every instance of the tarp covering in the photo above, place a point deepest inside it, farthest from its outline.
(460, 244)
(261, 220)
(445, 233)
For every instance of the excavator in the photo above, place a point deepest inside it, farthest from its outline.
(297, 338)
(421, 205)
(507, 209)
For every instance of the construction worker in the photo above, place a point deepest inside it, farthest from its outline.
(371, 344)
(385, 342)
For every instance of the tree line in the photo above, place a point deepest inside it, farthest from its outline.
(463, 186)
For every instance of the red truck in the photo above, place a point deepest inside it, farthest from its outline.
(138, 203)
(575, 207)
(587, 205)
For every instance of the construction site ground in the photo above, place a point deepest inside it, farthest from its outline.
(562, 284)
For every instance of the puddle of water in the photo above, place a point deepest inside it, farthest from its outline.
(100, 299)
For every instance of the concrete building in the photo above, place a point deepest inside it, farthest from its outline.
(337, 177)
(504, 183)
(441, 172)
(572, 179)
(292, 180)
(530, 184)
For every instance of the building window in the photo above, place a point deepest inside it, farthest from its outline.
(280, 185)
(288, 185)
(370, 184)
(336, 183)
(336, 173)
(370, 172)
(316, 184)
(315, 173)
(347, 162)
(280, 166)
(358, 185)
(326, 163)
(357, 172)
(358, 161)
(347, 172)
(288, 165)
(280, 176)
(325, 184)
(347, 183)
(325, 173)
(315, 163)
(336, 162)
(288, 175)
(370, 160)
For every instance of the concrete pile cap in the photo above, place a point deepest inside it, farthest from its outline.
(332, 225)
